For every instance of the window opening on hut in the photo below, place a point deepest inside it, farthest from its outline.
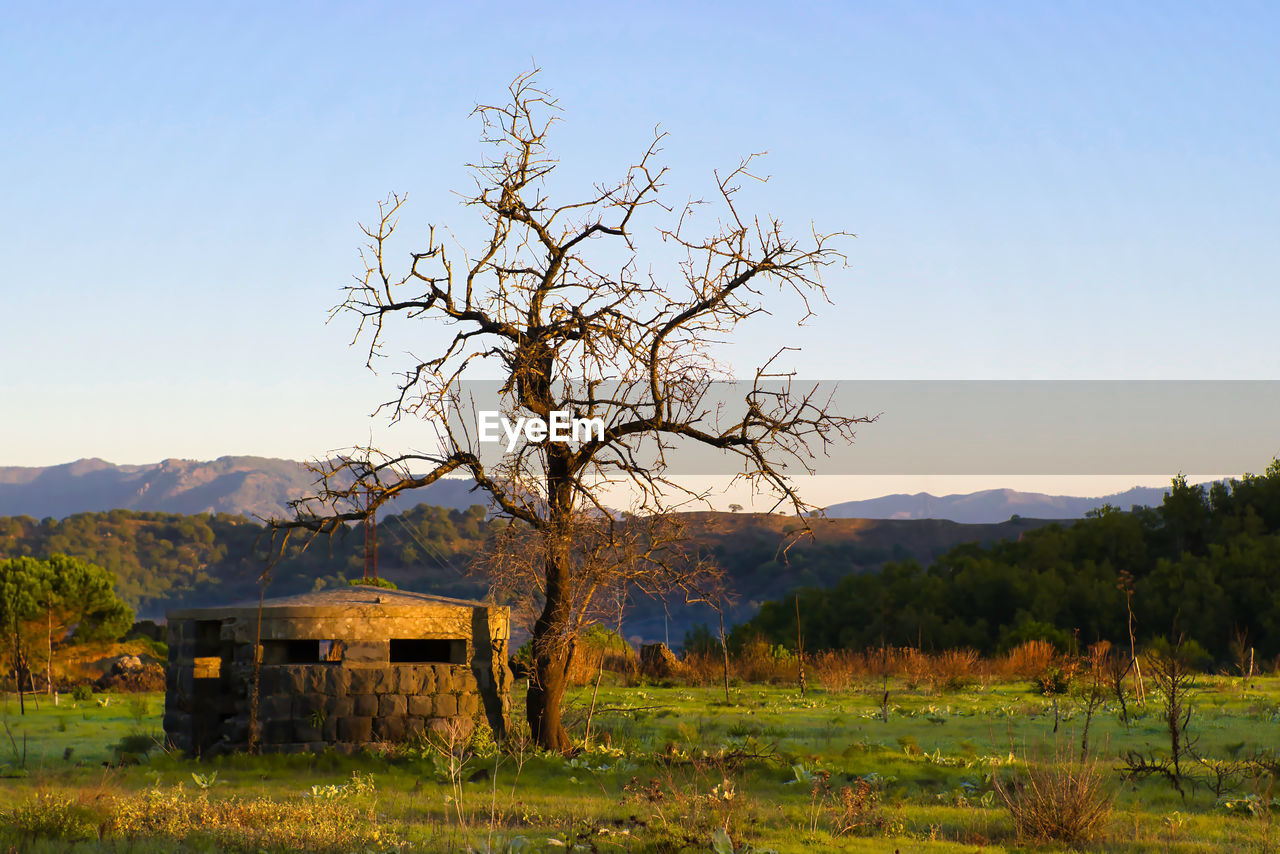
(428, 651)
(302, 651)
(331, 650)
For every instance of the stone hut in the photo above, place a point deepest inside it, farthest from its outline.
(340, 667)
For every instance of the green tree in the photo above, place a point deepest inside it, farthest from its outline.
(21, 582)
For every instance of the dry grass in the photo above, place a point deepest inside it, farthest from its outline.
(330, 820)
(1059, 798)
(1025, 661)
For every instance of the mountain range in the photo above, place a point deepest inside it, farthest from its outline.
(257, 487)
(990, 505)
(260, 487)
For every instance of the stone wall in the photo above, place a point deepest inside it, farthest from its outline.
(363, 698)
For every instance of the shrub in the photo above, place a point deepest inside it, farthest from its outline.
(82, 693)
(761, 661)
(1059, 798)
(599, 648)
(857, 811)
(1027, 659)
(51, 815)
(954, 669)
(838, 670)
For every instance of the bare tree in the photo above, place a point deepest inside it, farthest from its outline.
(557, 297)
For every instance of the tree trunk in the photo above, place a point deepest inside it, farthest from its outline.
(49, 665)
(724, 650)
(20, 668)
(543, 704)
(552, 652)
(553, 640)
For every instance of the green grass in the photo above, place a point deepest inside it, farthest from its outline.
(666, 766)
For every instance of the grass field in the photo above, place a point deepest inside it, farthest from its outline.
(665, 769)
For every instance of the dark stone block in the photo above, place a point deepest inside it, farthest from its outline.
(392, 705)
(304, 705)
(271, 680)
(414, 726)
(340, 707)
(363, 680)
(275, 707)
(387, 681)
(410, 679)
(446, 705)
(468, 704)
(314, 678)
(421, 706)
(337, 681)
(444, 678)
(355, 729)
(389, 728)
(305, 730)
(294, 678)
(277, 732)
(366, 705)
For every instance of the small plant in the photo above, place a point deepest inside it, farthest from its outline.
(482, 743)
(722, 844)
(139, 708)
(82, 693)
(204, 781)
(134, 746)
(857, 811)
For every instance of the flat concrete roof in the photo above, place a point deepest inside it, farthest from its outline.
(334, 601)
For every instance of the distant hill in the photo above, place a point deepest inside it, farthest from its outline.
(249, 486)
(991, 505)
(748, 546)
(260, 487)
(166, 560)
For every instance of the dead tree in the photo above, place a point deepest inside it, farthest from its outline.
(558, 298)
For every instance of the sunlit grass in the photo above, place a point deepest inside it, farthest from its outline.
(665, 767)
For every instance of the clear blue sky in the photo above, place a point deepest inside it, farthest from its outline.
(1039, 190)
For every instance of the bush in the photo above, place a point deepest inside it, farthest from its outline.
(82, 693)
(51, 815)
(1060, 798)
(1027, 660)
(372, 582)
(600, 647)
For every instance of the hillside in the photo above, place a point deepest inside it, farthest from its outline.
(991, 505)
(749, 546)
(256, 487)
(1200, 566)
(167, 560)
